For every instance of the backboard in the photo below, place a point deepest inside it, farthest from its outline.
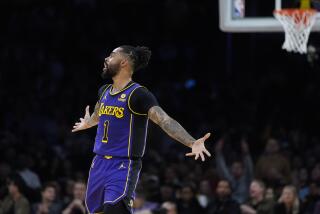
(256, 15)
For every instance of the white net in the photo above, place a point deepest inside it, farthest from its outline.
(297, 24)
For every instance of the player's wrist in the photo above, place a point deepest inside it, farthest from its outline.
(190, 144)
(87, 125)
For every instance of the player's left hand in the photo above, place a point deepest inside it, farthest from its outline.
(198, 148)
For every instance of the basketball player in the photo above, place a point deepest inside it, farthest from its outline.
(122, 114)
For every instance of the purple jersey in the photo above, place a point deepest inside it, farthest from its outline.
(121, 132)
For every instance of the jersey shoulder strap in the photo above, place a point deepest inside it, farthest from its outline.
(102, 90)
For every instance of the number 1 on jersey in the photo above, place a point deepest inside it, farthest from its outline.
(105, 131)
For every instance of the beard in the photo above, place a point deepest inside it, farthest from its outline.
(110, 70)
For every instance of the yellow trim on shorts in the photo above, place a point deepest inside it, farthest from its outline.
(107, 157)
(129, 101)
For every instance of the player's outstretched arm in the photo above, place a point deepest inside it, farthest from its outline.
(177, 132)
(88, 121)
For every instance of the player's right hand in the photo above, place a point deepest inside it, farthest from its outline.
(84, 122)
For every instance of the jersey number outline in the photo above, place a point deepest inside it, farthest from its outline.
(105, 131)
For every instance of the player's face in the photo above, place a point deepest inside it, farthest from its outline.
(113, 63)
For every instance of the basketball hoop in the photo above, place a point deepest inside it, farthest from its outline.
(297, 24)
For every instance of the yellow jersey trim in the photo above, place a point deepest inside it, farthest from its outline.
(104, 91)
(121, 89)
(129, 102)
(107, 157)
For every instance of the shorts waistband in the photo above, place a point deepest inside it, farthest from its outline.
(108, 157)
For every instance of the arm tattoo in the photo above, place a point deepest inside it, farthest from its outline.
(94, 118)
(170, 126)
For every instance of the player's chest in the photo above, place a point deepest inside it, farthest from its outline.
(114, 106)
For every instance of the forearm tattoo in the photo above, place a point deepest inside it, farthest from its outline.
(170, 126)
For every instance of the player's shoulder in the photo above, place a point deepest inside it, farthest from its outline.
(103, 88)
(140, 90)
(140, 87)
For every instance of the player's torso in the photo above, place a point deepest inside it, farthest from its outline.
(120, 132)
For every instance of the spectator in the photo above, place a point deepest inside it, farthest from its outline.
(241, 173)
(269, 194)
(31, 178)
(167, 193)
(288, 202)
(48, 204)
(68, 193)
(24, 164)
(170, 207)
(205, 195)
(315, 173)
(310, 201)
(5, 171)
(77, 205)
(317, 208)
(257, 203)
(15, 202)
(272, 166)
(303, 179)
(188, 203)
(141, 205)
(223, 203)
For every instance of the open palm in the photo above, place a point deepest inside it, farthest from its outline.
(198, 148)
(84, 122)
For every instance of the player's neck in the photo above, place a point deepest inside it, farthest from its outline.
(120, 82)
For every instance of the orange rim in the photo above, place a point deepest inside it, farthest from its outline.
(295, 11)
(299, 15)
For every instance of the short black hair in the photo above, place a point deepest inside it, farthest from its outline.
(18, 181)
(49, 184)
(227, 181)
(190, 185)
(139, 55)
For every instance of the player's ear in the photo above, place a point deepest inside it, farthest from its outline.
(124, 62)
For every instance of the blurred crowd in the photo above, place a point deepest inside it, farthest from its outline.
(281, 181)
(261, 107)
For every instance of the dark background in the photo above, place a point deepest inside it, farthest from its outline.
(234, 85)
